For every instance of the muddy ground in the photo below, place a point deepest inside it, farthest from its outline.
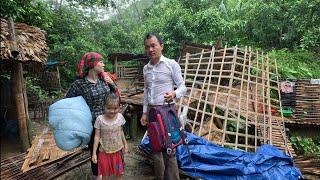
(137, 167)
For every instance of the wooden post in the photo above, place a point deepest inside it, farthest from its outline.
(134, 123)
(59, 78)
(17, 77)
(21, 111)
(26, 105)
(115, 67)
(131, 115)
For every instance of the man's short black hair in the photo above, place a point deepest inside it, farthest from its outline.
(152, 34)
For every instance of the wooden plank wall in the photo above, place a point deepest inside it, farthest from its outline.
(308, 101)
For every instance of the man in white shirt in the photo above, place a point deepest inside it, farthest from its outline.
(160, 76)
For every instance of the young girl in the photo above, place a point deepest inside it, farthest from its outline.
(108, 131)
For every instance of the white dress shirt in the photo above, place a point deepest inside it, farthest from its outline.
(160, 79)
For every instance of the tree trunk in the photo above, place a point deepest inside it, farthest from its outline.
(137, 11)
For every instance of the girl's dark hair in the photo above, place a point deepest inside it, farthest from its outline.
(152, 34)
(112, 98)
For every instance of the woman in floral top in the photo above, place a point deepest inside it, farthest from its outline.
(92, 87)
(110, 135)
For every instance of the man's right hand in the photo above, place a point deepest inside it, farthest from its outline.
(143, 119)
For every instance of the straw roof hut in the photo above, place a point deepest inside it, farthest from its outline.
(21, 44)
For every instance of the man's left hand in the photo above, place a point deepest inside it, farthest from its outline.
(169, 96)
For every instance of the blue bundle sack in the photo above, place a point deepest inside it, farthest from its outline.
(70, 120)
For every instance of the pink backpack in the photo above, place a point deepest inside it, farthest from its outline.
(164, 129)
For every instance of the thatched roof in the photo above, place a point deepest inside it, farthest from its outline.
(31, 43)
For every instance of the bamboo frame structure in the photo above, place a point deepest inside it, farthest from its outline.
(232, 98)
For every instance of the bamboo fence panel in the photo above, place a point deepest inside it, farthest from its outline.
(232, 98)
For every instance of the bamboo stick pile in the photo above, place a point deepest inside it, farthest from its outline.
(43, 150)
(308, 165)
(11, 167)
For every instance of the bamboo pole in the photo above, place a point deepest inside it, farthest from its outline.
(263, 99)
(239, 105)
(256, 106)
(203, 85)
(280, 106)
(226, 113)
(184, 80)
(206, 100)
(248, 89)
(269, 102)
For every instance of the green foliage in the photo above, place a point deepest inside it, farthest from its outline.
(172, 25)
(306, 146)
(32, 12)
(311, 39)
(71, 35)
(41, 94)
(291, 29)
(296, 64)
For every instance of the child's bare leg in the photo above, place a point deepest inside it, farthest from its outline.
(106, 177)
(118, 177)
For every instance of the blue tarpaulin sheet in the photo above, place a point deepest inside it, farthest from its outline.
(205, 160)
(50, 64)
